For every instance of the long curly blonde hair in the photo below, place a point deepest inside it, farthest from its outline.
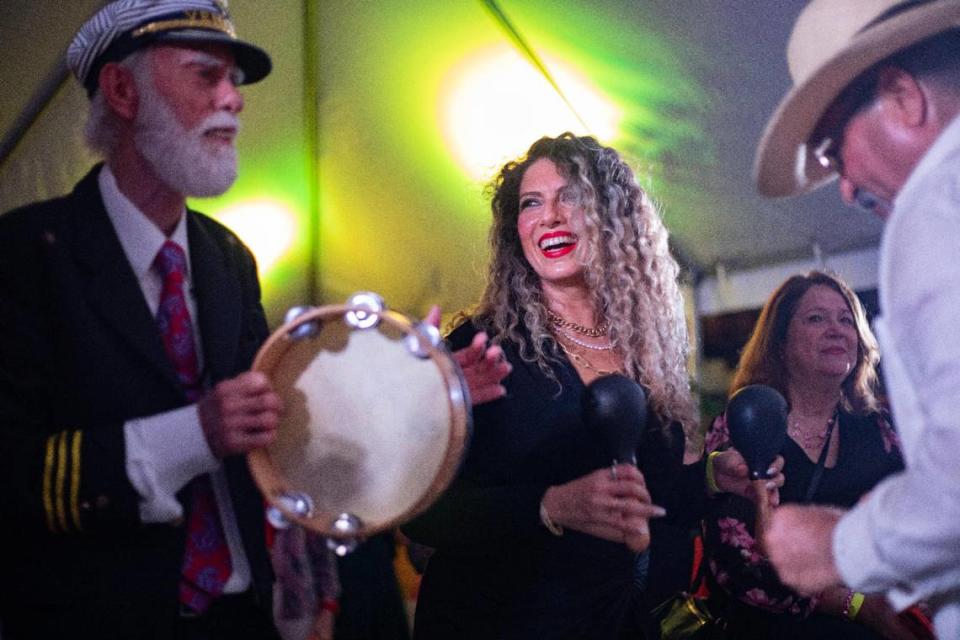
(627, 267)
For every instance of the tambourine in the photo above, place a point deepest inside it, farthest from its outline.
(376, 420)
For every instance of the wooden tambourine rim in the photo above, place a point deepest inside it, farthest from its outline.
(272, 482)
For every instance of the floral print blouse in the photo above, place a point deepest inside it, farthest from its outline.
(869, 451)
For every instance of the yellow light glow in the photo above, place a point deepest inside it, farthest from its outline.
(494, 104)
(267, 227)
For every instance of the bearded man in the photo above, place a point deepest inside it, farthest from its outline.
(127, 326)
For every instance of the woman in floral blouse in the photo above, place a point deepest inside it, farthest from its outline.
(813, 344)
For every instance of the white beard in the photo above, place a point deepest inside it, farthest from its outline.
(181, 158)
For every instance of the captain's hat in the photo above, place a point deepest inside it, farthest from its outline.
(124, 26)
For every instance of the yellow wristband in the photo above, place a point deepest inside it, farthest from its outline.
(851, 607)
(711, 478)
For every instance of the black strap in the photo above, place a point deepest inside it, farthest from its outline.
(822, 460)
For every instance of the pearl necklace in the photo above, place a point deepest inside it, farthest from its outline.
(581, 343)
(812, 440)
(594, 332)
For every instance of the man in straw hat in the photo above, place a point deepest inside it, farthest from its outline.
(127, 325)
(875, 99)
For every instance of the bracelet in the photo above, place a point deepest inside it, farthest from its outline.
(551, 526)
(852, 604)
(711, 477)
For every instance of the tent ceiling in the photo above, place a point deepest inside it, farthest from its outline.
(35, 35)
(733, 49)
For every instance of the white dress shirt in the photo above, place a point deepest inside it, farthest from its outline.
(165, 451)
(905, 538)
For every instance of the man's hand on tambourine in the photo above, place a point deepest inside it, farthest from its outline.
(240, 414)
(484, 367)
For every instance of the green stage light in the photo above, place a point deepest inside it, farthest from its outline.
(267, 227)
(494, 103)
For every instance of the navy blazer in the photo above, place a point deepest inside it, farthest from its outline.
(496, 571)
(80, 354)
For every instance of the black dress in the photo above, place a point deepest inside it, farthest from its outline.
(497, 572)
(371, 606)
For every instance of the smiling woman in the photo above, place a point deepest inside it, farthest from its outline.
(537, 536)
(812, 343)
(550, 218)
(821, 342)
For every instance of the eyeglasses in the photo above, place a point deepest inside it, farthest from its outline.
(830, 132)
(831, 128)
(828, 155)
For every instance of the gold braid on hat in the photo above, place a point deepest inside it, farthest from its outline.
(193, 20)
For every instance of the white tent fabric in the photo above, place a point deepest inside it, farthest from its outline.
(757, 245)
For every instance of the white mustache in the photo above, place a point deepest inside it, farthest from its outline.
(219, 120)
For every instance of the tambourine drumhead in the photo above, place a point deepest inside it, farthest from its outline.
(368, 428)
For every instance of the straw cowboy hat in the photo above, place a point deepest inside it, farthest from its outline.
(833, 42)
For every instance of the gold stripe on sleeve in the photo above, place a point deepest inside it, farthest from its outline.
(61, 479)
(47, 484)
(75, 480)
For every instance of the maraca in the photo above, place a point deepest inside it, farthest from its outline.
(757, 420)
(616, 407)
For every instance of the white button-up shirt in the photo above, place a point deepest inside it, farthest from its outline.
(165, 451)
(905, 538)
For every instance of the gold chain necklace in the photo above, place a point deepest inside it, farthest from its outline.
(579, 359)
(594, 332)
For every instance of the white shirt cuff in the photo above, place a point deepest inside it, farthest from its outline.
(164, 452)
(860, 566)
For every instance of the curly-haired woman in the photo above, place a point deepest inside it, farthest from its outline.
(532, 540)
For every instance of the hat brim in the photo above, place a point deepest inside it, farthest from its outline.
(251, 59)
(784, 164)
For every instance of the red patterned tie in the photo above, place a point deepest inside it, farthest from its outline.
(206, 563)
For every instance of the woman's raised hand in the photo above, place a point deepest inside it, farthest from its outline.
(484, 367)
(730, 475)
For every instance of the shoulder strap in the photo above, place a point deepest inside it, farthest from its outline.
(821, 461)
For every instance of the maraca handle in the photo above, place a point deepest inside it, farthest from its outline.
(638, 542)
(763, 512)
